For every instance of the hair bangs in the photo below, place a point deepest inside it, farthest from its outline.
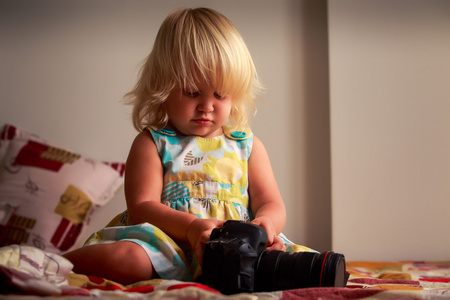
(208, 52)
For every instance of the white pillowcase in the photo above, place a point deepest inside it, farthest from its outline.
(47, 193)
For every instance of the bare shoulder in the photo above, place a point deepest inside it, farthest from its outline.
(259, 162)
(143, 144)
(143, 153)
(258, 150)
(257, 141)
(143, 138)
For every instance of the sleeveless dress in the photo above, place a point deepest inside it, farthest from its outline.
(206, 177)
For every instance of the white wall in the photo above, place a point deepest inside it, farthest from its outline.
(65, 65)
(390, 121)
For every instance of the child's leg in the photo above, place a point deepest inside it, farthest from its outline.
(123, 262)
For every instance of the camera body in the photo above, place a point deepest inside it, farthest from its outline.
(230, 257)
(235, 260)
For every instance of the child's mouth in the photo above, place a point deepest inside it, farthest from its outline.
(203, 121)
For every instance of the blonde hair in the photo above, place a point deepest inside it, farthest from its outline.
(193, 45)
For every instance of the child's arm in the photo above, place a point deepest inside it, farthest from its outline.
(265, 200)
(143, 187)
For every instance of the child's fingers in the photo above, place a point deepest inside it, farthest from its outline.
(277, 244)
(202, 235)
(267, 225)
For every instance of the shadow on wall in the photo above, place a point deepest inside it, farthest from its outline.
(311, 104)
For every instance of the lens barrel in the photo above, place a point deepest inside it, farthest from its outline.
(333, 272)
(279, 270)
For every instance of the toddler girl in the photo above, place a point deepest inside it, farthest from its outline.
(195, 164)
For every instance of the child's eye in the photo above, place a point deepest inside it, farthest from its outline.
(191, 94)
(218, 96)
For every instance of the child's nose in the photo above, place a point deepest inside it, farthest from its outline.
(206, 104)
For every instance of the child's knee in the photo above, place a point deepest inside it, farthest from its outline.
(133, 259)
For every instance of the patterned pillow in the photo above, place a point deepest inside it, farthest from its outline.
(47, 193)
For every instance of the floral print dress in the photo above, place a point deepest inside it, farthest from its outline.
(207, 177)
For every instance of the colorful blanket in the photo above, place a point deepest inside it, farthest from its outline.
(30, 271)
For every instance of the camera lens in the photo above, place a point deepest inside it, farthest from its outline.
(333, 273)
(278, 270)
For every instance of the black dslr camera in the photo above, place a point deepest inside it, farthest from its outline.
(235, 260)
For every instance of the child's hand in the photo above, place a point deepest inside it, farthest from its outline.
(277, 244)
(274, 242)
(199, 232)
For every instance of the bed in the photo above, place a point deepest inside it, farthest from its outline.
(48, 194)
(28, 271)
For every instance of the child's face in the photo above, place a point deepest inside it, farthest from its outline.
(200, 112)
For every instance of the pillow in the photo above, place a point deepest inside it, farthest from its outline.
(48, 193)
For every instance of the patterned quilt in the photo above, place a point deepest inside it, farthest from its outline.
(30, 271)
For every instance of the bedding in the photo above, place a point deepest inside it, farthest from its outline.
(26, 270)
